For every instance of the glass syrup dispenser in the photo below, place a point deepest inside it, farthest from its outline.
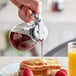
(25, 36)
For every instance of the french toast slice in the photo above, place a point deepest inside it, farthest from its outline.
(41, 67)
(45, 63)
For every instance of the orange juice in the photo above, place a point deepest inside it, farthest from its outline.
(72, 62)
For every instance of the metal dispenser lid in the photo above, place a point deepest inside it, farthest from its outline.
(23, 28)
(40, 31)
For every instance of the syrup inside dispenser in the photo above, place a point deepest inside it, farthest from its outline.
(25, 36)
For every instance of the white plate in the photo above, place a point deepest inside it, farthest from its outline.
(9, 70)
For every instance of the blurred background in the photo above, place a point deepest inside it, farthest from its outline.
(59, 17)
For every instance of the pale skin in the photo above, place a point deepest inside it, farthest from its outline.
(26, 7)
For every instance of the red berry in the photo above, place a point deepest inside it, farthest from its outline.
(27, 72)
(60, 73)
(65, 71)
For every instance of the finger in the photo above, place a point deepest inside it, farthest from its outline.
(35, 5)
(23, 14)
(16, 3)
(30, 15)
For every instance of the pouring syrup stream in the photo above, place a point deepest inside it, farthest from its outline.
(41, 49)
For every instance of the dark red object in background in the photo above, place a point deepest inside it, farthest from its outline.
(21, 42)
(57, 6)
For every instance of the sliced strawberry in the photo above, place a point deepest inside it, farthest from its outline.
(60, 73)
(65, 71)
(27, 72)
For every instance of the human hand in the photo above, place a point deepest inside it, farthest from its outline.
(26, 7)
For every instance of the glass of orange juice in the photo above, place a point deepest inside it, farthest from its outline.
(72, 58)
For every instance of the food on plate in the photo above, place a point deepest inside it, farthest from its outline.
(62, 72)
(40, 67)
(27, 72)
(65, 71)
